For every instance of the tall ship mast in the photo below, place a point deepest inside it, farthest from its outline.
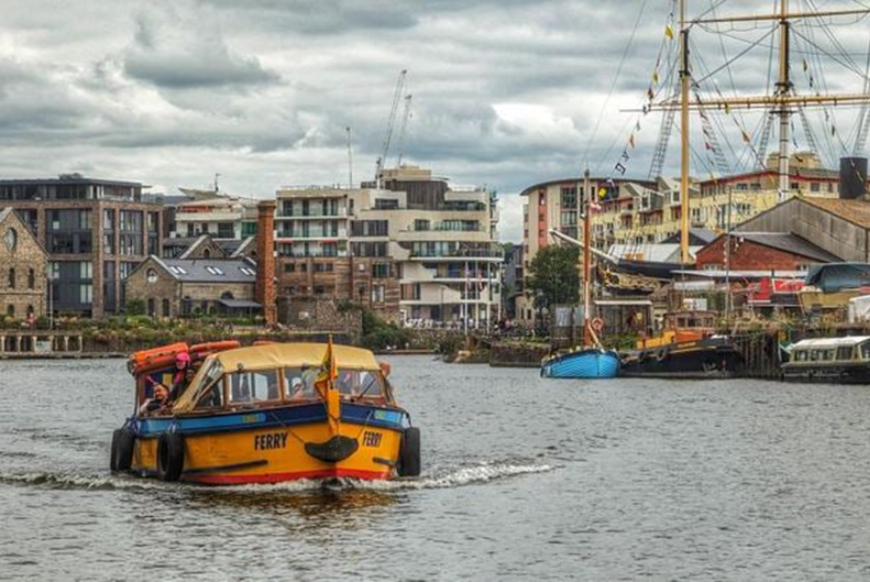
(781, 103)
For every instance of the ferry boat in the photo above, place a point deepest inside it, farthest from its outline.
(687, 348)
(269, 413)
(840, 360)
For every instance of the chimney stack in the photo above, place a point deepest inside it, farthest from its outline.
(265, 287)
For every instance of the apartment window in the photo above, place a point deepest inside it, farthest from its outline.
(569, 218)
(815, 187)
(569, 197)
(31, 279)
(386, 204)
(381, 270)
(12, 278)
(369, 249)
(289, 267)
(226, 230)
(421, 225)
(10, 310)
(318, 290)
(166, 308)
(329, 249)
(323, 267)
(378, 294)
(370, 228)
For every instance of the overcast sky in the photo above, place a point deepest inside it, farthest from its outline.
(506, 93)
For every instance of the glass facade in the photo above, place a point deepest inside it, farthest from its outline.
(69, 231)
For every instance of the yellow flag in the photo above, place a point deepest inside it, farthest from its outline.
(669, 32)
(326, 388)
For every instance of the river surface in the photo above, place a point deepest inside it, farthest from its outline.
(523, 479)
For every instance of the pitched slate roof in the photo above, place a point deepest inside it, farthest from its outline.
(210, 270)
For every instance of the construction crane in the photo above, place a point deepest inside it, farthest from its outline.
(404, 130)
(391, 122)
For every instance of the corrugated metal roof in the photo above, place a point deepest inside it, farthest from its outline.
(855, 211)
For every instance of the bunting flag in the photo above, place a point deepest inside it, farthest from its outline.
(708, 146)
(727, 109)
(745, 137)
(602, 192)
(655, 77)
(806, 66)
(631, 141)
(669, 32)
(620, 168)
(650, 93)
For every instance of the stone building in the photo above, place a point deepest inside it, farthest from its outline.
(96, 232)
(187, 287)
(22, 269)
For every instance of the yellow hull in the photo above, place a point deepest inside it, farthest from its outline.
(275, 454)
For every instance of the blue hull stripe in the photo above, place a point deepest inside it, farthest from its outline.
(583, 364)
(277, 417)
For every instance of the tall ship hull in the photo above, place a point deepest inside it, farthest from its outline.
(585, 363)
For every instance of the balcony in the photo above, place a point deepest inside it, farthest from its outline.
(310, 215)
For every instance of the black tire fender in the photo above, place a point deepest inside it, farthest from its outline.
(170, 456)
(121, 456)
(409, 453)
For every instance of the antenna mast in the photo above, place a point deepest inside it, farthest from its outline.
(685, 78)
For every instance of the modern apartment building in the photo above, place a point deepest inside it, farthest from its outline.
(413, 248)
(222, 217)
(96, 232)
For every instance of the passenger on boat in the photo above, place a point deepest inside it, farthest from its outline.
(348, 383)
(184, 373)
(157, 403)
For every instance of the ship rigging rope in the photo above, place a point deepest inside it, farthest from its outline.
(615, 80)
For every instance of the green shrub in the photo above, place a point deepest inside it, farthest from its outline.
(135, 307)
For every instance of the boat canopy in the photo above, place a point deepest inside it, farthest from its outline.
(829, 343)
(271, 357)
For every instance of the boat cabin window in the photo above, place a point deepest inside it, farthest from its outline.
(360, 383)
(827, 355)
(800, 356)
(299, 383)
(865, 351)
(844, 353)
(213, 397)
(815, 355)
(254, 387)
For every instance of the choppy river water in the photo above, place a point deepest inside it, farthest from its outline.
(523, 479)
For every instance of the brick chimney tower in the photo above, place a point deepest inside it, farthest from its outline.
(265, 288)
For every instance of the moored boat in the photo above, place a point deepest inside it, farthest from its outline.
(272, 413)
(686, 348)
(840, 360)
(582, 363)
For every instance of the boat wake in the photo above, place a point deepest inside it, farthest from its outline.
(478, 473)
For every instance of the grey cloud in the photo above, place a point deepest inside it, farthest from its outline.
(181, 49)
